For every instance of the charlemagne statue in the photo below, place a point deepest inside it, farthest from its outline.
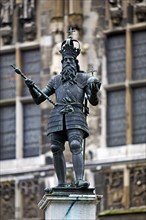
(67, 120)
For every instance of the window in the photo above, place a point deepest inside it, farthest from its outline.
(139, 115)
(116, 119)
(116, 58)
(138, 91)
(19, 117)
(31, 129)
(116, 97)
(7, 79)
(31, 66)
(7, 110)
(31, 112)
(7, 132)
(126, 88)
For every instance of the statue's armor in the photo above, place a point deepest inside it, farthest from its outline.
(68, 111)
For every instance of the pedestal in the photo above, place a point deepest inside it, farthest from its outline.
(70, 204)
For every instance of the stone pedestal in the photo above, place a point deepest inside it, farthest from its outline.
(70, 204)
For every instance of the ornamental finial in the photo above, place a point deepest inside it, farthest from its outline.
(68, 47)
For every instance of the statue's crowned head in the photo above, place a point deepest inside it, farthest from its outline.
(69, 53)
(68, 46)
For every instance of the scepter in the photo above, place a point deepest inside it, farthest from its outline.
(18, 71)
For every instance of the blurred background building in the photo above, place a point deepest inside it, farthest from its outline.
(112, 34)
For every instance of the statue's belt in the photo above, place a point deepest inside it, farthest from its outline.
(68, 107)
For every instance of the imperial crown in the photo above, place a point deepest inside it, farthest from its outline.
(68, 46)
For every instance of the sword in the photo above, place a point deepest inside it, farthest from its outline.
(18, 71)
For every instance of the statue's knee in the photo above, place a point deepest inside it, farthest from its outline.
(75, 147)
(56, 146)
(56, 149)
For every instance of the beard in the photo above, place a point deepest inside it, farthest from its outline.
(69, 73)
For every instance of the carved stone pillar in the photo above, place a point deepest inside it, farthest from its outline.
(7, 200)
(58, 8)
(75, 6)
(137, 186)
(56, 56)
(75, 17)
(75, 21)
(27, 19)
(116, 12)
(114, 189)
(140, 10)
(58, 14)
(31, 195)
(6, 12)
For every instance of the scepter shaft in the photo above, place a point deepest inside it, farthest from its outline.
(86, 112)
(18, 71)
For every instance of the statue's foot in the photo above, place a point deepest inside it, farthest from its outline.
(82, 184)
(49, 190)
(64, 185)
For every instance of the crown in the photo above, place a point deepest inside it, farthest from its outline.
(68, 46)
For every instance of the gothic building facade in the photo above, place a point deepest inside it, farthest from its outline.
(112, 35)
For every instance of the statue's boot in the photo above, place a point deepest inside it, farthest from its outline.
(60, 168)
(82, 184)
(78, 165)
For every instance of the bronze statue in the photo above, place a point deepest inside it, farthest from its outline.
(67, 120)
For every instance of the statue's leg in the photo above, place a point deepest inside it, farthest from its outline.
(75, 142)
(77, 160)
(60, 168)
(57, 148)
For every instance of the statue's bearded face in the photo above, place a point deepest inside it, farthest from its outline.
(69, 69)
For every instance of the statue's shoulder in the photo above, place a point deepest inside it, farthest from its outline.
(82, 78)
(56, 81)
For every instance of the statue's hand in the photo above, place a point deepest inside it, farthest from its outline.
(93, 84)
(29, 82)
